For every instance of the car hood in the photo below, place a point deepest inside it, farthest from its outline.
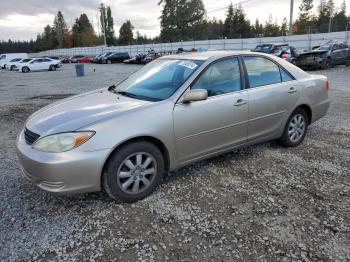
(76, 112)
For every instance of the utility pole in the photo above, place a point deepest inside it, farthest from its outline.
(291, 17)
(330, 19)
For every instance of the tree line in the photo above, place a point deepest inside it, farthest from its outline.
(182, 20)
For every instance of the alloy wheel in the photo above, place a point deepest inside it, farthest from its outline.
(136, 173)
(296, 128)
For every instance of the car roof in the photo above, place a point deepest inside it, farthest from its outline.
(208, 55)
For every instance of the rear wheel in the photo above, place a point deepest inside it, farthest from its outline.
(109, 62)
(295, 129)
(12, 68)
(133, 172)
(326, 64)
(25, 69)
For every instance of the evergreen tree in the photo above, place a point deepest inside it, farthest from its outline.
(236, 25)
(271, 28)
(182, 20)
(306, 19)
(83, 33)
(59, 26)
(284, 27)
(107, 24)
(126, 36)
(340, 20)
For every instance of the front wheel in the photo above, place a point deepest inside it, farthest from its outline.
(52, 68)
(347, 63)
(133, 172)
(295, 129)
(25, 69)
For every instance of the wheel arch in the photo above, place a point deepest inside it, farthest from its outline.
(308, 111)
(155, 141)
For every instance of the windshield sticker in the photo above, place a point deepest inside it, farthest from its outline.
(188, 64)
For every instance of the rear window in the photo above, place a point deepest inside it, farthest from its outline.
(262, 71)
(263, 48)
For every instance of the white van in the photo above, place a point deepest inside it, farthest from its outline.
(6, 58)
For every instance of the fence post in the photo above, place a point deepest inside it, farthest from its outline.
(225, 42)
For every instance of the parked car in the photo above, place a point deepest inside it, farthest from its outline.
(74, 59)
(125, 137)
(84, 59)
(13, 64)
(98, 59)
(6, 58)
(39, 64)
(64, 59)
(117, 57)
(138, 59)
(151, 56)
(282, 50)
(325, 56)
(53, 57)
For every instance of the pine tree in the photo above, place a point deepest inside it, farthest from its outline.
(305, 20)
(83, 33)
(59, 26)
(126, 36)
(107, 24)
(284, 27)
(182, 20)
(271, 28)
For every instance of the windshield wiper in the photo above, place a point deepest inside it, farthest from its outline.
(131, 95)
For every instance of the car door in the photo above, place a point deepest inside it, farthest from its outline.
(35, 64)
(272, 94)
(220, 121)
(336, 54)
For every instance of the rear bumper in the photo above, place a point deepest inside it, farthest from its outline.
(70, 172)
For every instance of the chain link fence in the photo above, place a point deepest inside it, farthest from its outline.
(300, 42)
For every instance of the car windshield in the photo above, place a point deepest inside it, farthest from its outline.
(324, 47)
(263, 48)
(25, 60)
(158, 80)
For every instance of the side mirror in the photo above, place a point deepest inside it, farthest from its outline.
(195, 95)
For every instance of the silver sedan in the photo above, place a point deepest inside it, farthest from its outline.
(172, 112)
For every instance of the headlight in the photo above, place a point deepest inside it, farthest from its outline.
(62, 142)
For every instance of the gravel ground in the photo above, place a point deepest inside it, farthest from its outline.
(261, 203)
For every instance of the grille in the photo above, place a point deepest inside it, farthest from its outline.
(30, 136)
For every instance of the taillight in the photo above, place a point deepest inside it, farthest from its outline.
(327, 86)
(284, 56)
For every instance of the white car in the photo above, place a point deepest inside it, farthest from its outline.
(13, 64)
(39, 64)
(6, 58)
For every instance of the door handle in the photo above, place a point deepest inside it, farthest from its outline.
(240, 102)
(292, 90)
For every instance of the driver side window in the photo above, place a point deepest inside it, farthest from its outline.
(220, 78)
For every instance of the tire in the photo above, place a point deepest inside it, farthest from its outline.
(52, 68)
(326, 64)
(25, 69)
(109, 62)
(300, 130)
(126, 169)
(347, 63)
(12, 68)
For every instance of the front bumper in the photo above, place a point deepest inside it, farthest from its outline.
(70, 172)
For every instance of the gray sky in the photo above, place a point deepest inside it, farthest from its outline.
(23, 19)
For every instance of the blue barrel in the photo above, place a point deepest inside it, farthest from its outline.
(79, 69)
